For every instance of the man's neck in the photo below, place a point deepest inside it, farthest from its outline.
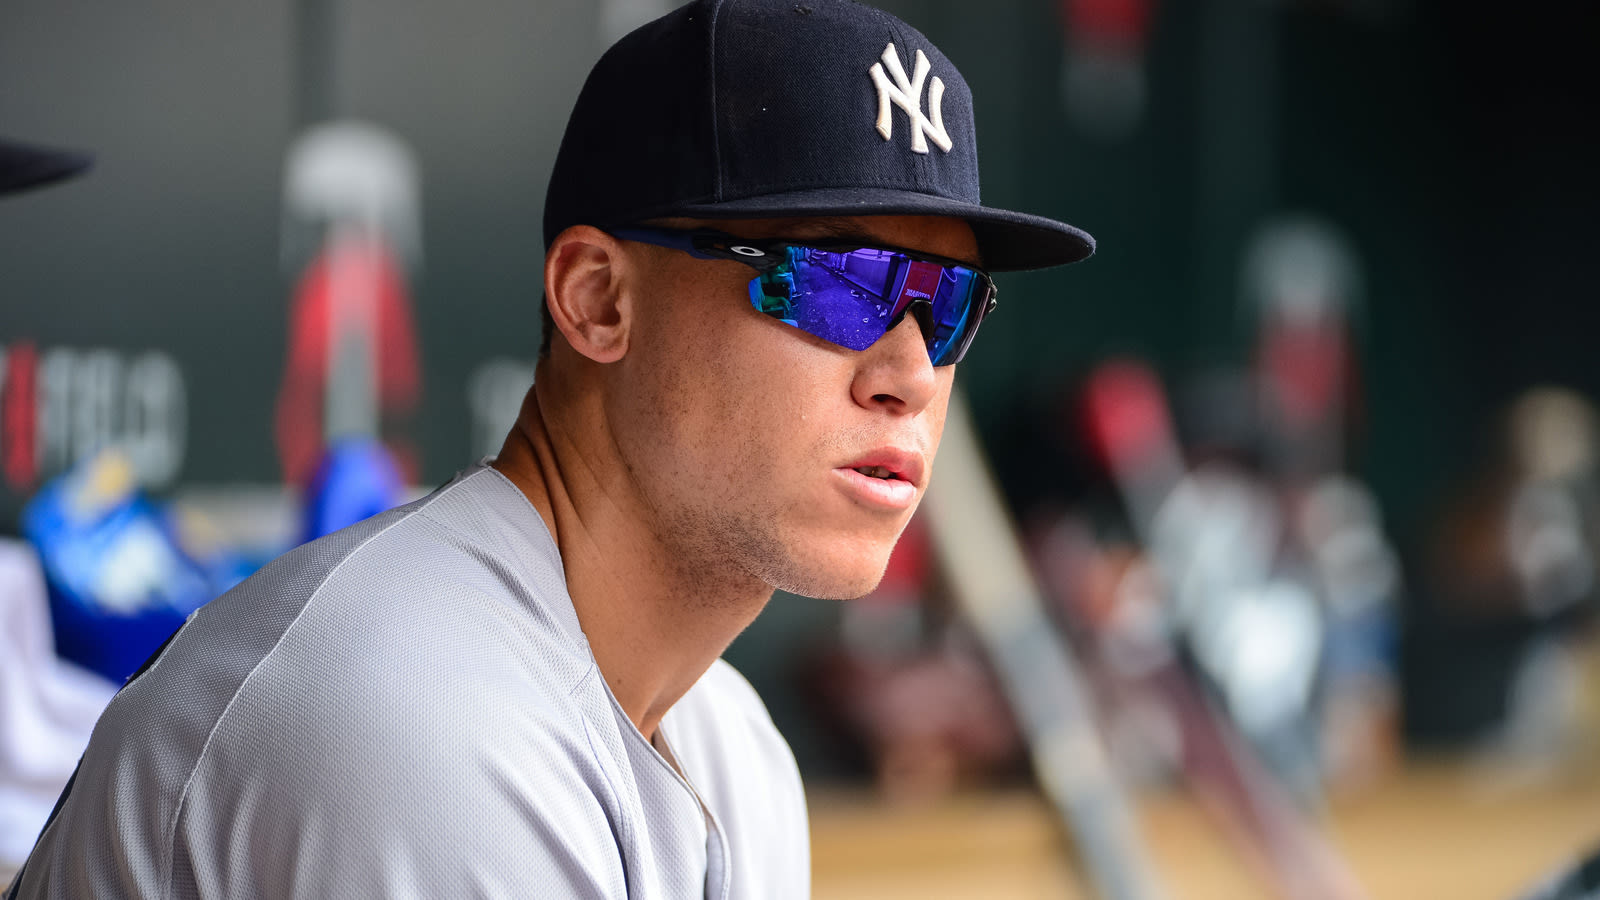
(654, 622)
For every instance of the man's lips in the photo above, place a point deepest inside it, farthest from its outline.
(885, 478)
(890, 464)
(875, 492)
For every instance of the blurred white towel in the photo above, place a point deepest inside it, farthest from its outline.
(47, 706)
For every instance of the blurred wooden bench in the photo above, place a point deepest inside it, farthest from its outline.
(1449, 831)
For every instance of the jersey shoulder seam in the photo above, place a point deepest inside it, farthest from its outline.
(171, 835)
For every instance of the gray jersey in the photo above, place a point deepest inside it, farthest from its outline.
(408, 708)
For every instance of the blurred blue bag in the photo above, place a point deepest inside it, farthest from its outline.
(119, 584)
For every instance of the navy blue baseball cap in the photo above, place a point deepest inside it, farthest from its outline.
(784, 108)
(25, 166)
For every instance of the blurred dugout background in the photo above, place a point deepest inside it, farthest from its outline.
(1337, 238)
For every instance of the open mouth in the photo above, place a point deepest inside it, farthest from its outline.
(878, 472)
(885, 481)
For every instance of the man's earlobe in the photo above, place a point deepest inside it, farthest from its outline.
(583, 293)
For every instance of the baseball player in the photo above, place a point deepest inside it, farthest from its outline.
(765, 252)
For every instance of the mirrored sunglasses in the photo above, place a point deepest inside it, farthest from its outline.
(848, 294)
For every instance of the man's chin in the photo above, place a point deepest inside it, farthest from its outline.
(835, 582)
(828, 562)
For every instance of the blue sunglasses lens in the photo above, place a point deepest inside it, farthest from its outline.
(852, 298)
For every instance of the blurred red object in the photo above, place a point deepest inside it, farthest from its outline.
(398, 379)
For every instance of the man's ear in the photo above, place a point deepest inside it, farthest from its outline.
(583, 292)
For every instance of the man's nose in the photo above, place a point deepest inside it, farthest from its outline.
(895, 373)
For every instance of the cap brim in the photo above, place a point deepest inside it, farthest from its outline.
(1008, 241)
(24, 166)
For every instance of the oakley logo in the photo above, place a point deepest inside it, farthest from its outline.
(906, 93)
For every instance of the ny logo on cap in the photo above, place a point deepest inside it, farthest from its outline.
(907, 94)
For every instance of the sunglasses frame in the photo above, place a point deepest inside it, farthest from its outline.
(766, 254)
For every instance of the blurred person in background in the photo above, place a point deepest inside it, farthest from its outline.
(906, 690)
(1497, 653)
(765, 254)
